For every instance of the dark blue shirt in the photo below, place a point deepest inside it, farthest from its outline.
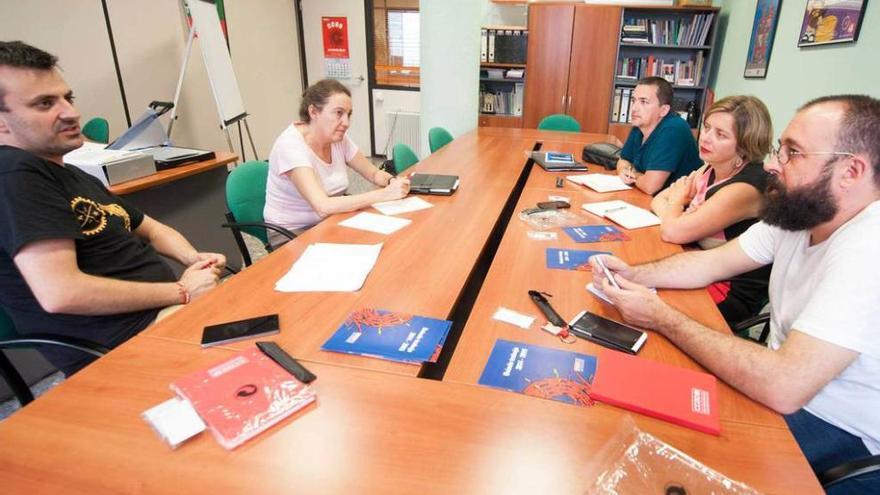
(670, 148)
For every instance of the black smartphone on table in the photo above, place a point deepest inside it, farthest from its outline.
(608, 333)
(233, 331)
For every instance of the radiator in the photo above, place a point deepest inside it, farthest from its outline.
(403, 127)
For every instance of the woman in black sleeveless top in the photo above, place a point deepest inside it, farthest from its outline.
(723, 198)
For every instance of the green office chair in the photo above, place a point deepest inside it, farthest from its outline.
(559, 122)
(98, 130)
(438, 137)
(245, 198)
(404, 157)
(9, 339)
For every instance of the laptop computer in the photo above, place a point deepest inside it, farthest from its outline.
(147, 135)
(442, 185)
(553, 161)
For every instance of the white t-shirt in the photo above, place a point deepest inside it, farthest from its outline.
(285, 206)
(830, 291)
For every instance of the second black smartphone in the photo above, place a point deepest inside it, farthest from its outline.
(234, 331)
(608, 333)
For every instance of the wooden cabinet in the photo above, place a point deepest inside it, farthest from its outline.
(548, 58)
(571, 57)
(591, 71)
(487, 120)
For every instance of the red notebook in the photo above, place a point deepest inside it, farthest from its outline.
(685, 397)
(242, 396)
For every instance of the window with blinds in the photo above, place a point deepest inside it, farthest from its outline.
(396, 42)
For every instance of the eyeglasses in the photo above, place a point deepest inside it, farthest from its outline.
(782, 153)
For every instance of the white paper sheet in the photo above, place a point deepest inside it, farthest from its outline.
(598, 292)
(405, 205)
(623, 214)
(327, 267)
(174, 420)
(633, 217)
(514, 318)
(602, 207)
(372, 222)
(600, 182)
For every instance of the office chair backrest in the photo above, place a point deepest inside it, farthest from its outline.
(7, 329)
(438, 137)
(559, 122)
(246, 195)
(97, 129)
(404, 157)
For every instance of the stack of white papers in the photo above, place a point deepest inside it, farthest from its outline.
(327, 267)
(372, 222)
(598, 292)
(405, 205)
(623, 213)
(600, 182)
(95, 154)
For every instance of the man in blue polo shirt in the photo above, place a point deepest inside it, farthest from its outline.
(660, 148)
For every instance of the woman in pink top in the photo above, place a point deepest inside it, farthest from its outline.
(724, 197)
(308, 164)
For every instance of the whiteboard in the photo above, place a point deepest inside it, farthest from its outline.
(216, 56)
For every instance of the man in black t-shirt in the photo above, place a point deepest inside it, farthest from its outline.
(74, 258)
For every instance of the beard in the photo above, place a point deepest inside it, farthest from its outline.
(799, 209)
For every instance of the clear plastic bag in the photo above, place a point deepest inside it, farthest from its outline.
(638, 462)
(550, 219)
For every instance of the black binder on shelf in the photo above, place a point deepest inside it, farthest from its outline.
(510, 46)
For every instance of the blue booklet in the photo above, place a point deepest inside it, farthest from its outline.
(570, 259)
(595, 233)
(390, 335)
(563, 376)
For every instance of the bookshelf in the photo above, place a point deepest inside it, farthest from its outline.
(502, 75)
(677, 44)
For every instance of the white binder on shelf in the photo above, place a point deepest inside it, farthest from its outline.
(484, 46)
(615, 107)
(491, 55)
(518, 90)
(624, 105)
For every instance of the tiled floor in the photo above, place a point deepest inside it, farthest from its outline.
(41, 387)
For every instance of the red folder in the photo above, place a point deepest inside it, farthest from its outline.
(684, 397)
(243, 396)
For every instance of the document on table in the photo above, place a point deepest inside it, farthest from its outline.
(405, 205)
(325, 267)
(372, 222)
(600, 182)
(623, 213)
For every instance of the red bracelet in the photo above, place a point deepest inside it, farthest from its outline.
(184, 294)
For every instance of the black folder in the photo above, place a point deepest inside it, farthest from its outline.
(442, 185)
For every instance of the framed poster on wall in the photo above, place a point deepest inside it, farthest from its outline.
(831, 21)
(763, 32)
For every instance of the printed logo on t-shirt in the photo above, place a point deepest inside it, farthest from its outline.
(92, 216)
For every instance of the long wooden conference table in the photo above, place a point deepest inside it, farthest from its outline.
(376, 426)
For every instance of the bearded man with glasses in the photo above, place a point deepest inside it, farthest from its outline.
(821, 230)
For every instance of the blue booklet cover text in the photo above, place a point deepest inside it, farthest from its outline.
(595, 233)
(390, 335)
(570, 259)
(553, 374)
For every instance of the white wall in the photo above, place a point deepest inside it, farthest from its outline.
(265, 56)
(84, 57)
(450, 54)
(795, 75)
(150, 38)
